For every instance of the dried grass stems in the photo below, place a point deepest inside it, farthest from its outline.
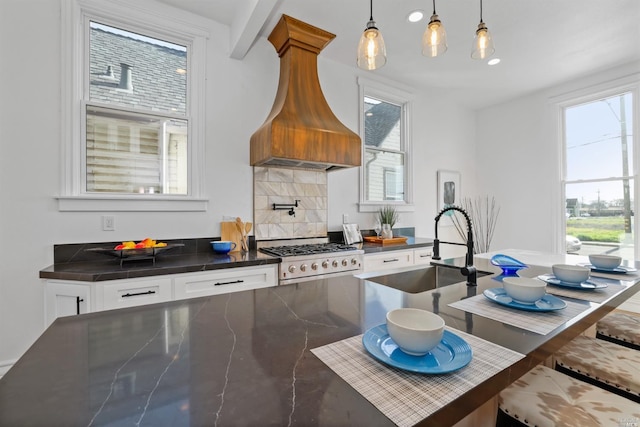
(484, 213)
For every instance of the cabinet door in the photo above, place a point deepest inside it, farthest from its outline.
(224, 281)
(64, 299)
(131, 293)
(388, 260)
(422, 256)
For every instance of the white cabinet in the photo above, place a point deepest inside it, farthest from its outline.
(130, 293)
(225, 281)
(64, 299)
(395, 259)
(422, 255)
(67, 298)
(388, 260)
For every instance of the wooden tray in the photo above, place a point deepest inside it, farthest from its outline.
(391, 241)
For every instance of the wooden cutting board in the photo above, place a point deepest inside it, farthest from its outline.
(390, 241)
(229, 231)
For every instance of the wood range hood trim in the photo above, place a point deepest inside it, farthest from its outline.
(301, 131)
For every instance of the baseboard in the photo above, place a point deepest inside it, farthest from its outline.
(5, 365)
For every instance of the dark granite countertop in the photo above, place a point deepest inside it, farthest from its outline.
(245, 358)
(73, 262)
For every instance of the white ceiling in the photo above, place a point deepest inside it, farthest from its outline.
(541, 43)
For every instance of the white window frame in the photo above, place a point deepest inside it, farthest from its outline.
(559, 103)
(154, 20)
(403, 98)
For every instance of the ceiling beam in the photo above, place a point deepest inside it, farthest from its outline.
(247, 23)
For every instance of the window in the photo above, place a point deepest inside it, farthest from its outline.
(599, 174)
(386, 163)
(134, 140)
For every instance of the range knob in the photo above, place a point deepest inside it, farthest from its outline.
(335, 263)
(325, 264)
(292, 269)
(303, 267)
(314, 266)
(345, 262)
(354, 261)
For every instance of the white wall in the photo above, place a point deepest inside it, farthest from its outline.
(239, 97)
(519, 154)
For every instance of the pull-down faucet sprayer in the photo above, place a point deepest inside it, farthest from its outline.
(468, 270)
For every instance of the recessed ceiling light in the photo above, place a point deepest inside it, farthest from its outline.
(494, 61)
(415, 16)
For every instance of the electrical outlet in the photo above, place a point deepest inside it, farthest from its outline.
(345, 218)
(108, 223)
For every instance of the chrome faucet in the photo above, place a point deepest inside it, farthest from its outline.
(468, 270)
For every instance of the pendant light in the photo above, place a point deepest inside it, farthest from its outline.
(434, 40)
(371, 51)
(483, 42)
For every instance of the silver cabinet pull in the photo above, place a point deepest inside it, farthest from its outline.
(391, 260)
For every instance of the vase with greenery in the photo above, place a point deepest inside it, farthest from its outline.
(387, 215)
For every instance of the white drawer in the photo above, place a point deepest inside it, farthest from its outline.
(388, 260)
(225, 281)
(132, 293)
(422, 256)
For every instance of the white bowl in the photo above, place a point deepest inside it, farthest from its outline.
(523, 289)
(605, 261)
(415, 331)
(570, 273)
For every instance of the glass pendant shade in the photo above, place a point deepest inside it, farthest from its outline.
(482, 43)
(434, 40)
(372, 53)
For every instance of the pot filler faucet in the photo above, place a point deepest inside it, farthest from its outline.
(468, 270)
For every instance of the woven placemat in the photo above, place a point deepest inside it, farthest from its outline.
(540, 322)
(405, 397)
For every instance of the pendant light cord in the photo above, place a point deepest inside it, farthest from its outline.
(480, 11)
(434, 7)
(371, 10)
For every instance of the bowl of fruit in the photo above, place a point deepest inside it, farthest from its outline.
(144, 249)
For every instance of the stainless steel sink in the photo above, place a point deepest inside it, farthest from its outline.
(424, 279)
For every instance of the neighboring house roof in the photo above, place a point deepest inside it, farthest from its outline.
(384, 117)
(157, 84)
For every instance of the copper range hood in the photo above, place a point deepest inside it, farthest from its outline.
(301, 130)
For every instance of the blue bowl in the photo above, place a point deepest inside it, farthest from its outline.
(223, 246)
(509, 265)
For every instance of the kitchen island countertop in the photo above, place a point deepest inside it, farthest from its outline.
(245, 358)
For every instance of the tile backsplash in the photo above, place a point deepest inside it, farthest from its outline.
(285, 186)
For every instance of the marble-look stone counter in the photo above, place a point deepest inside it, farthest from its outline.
(245, 358)
(73, 262)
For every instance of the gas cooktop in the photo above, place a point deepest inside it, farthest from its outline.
(309, 249)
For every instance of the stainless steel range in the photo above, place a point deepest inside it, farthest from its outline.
(313, 260)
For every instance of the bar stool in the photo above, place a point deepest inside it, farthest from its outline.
(547, 398)
(620, 327)
(603, 364)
